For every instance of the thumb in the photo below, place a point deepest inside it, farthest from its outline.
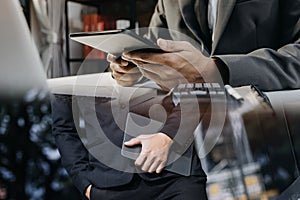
(173, 46)
(133, 142)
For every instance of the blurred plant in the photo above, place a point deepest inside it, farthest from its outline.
(29, 160)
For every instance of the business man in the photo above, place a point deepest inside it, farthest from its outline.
(242, 41)
(93, 157)
(248, 41)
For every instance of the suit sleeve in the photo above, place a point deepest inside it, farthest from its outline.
(74, 155)
(271, 69)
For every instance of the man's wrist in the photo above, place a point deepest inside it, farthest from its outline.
(167, 137)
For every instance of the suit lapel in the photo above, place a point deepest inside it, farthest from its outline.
(187, 9)
(225, 8)
(201, 9)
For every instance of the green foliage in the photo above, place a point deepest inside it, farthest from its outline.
(29, 160)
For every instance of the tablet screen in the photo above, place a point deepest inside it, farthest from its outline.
(115, 41)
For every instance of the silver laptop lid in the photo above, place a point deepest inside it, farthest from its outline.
(20, 66)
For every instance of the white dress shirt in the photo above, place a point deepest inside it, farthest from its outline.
(212, 16)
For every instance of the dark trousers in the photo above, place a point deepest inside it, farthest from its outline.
(172, 188)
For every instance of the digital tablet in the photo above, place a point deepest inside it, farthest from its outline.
(115, 41)
(139, 125)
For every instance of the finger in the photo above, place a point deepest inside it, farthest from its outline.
(140, 159)
(154, 166)
(126, 77)
(113, 59)
(126, 80)
(147, 163)
(134, 61)
(133, 142)
(130, 69)
(140, 58)
(127, 58)
(173, 46)
(161, 167)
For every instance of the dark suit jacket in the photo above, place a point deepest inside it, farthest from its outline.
(258, 40)
(93, 155)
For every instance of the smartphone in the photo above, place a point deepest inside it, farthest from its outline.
(116, 41)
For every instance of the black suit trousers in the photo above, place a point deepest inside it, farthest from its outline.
(172, 188)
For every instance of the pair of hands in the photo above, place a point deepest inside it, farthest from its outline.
(179, 63)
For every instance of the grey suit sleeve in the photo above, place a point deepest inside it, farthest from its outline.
(271, 69)
(266, 68)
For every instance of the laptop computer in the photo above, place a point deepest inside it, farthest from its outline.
(21, 66)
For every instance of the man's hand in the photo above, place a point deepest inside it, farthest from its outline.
(180, 63)
(88, 192)
(124, 72)
(155, 151)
